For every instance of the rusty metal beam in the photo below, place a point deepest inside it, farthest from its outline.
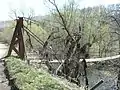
(17, 40)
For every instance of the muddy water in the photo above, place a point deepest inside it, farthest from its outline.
(3, 50)
(3, 80)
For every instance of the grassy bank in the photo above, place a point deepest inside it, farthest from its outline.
(28, 78)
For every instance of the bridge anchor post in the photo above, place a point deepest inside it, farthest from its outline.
(17, 42)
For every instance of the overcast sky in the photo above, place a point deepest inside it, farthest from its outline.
(40, 8)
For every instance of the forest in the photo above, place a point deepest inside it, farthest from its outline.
(80, 45)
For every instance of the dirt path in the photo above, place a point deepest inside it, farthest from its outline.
(3, 80)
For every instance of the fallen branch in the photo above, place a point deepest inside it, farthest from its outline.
(98, 84)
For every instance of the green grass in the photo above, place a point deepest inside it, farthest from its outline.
(29, 78)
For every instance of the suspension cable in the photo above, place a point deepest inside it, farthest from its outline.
(34, 37)
(33, 34)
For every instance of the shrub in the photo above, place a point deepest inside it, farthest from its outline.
(29, 78)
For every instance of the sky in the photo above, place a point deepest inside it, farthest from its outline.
(40, 7)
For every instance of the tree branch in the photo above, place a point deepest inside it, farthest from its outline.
(61, 17)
